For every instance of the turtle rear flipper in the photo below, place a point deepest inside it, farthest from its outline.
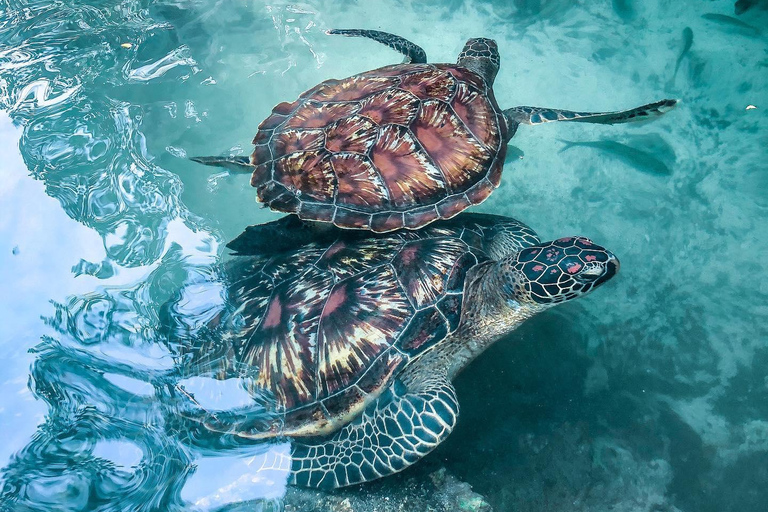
(233, 163)
(394, 432)
(414, 53)
(538, 115)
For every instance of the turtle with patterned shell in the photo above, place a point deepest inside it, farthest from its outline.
(397, 147)
(349, 343)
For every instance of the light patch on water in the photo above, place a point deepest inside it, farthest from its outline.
(178, 57)
(130, 384)
(218, 395)
(124, 454)
(219, 481)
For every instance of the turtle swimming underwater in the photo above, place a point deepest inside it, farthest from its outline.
(399, 146)
(355, 337)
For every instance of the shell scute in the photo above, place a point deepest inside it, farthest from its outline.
(430, 84)
(407, 172)
(308, 173)
(346, 218)
(387, 221)
(316, 211)
(477, 114)
(261, 154)
(353, 134)
(392, 106)
(464, 75)
(425, 329)
(462, 159)
(313, 114)
(345, 259)
(453, 205)
(354, 88)
(420, 217)
(286, 346)
(450, 307)
(458, 273)
(395, 70)
(381, 371)
(359, 184)
(369, 308)
(339, 405)
(261, 174)
(272, 122)
(423, 266)
(291, 141)
(480, 192)
(285, 202)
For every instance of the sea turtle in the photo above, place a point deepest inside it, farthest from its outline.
(399, 146)
(349, 343)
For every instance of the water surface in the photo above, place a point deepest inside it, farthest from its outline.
(651, 394)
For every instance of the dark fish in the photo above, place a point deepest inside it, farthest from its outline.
(649, 160)
(624, 9)
(730, 21)
(687, 43)
(743, 6)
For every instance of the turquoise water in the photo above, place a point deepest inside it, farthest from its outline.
(651, 394)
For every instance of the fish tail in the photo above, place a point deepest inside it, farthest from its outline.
(568, 144)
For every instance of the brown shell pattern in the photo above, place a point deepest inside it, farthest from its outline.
(399, 146)
(327, 326)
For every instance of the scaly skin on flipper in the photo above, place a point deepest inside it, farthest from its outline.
(410, 426)
(414, 53)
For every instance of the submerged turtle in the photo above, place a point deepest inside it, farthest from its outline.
(352, 340)
(399, 146)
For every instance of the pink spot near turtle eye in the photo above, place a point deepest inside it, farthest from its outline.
(590, 258)
(586, 241)
(574, 267)
(538, 268)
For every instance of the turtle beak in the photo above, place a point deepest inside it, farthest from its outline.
(611, 268)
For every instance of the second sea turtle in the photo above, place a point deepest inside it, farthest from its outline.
(348, 343)
(399, 146)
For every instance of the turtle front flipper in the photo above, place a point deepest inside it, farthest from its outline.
(233, 163)
(413, 52)
(537, 115)
(395, 431)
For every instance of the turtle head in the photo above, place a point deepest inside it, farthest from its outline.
(546, 274)
(481, 55)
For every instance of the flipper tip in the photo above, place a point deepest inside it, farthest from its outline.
(668, 104)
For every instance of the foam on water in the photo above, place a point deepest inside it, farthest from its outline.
(649, 395)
